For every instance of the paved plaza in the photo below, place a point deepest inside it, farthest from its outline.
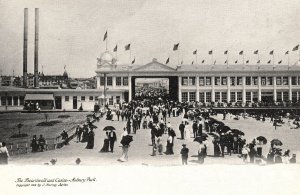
(140, 150)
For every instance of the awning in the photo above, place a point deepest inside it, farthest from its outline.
(39, 97)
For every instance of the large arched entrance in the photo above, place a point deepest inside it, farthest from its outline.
(172, 88)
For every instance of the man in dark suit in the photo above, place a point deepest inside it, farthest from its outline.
(181, 129)
(112, 138)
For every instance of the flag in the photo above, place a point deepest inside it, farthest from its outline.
(202, 61)
(116, 48)
(210, 52)
(256, 52)
(226, 52)
(127, 47)
(195, 52)
(241, 52)
(272, 52)
(258, 61)
(105, 36)
(215, 62)
(280, 62)
(287, 52)
(133, 61)
(181, 61)
(192, 62)
(269, 61)
(236, 61)
(296, 48)
(64, 67)
(175, 47)
(167, 60)
(225, 62)
(247, 61)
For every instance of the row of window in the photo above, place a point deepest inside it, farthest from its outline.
(234, 81)
(237, 96)
(92, 98)
(12, 100)
(120, 81)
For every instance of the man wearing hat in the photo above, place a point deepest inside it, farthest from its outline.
(184, 154)
(195, 128)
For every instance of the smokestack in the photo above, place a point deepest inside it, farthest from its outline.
(25, 46)
(36, 49)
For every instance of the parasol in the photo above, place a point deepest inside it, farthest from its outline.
(214, 134)
(109, 128)
(204, 135)
(126, 140)
(224, 129)
(276, 142)
(237, 132)
(91, 126)
(262, 139)
(199, 139)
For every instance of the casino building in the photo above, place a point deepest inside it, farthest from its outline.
(202, 83)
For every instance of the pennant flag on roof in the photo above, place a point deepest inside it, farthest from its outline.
(280, 62)
(133, 61)
(272, 52)
(269, 61)
(127, 47)
(167, 60)
(241, 52)
(175, 47)
(203, 61)
(258, 61)
(181, 61)
(236, 61)
(287, 52)
(247, 61)
(116, 48)
(192, 62)
(215, 62)
(226, 52)
(195, 52)
(225, 62)
(105, 36)
(296, 48)
(210, 52)
(255, 52)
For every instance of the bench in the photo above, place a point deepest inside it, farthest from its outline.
(51, 144)
(22, 147)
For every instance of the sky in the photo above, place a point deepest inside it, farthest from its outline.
(71, 32)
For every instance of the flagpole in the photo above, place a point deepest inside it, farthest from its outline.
(212, 57)
(178, 55)
(227, 60)
(196, 57)
(289, 60)
(273, 61)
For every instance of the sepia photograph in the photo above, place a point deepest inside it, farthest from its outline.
(96, 94)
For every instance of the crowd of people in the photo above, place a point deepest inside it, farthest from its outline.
(150, 92)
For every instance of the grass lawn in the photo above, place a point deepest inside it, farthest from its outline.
(30, 121)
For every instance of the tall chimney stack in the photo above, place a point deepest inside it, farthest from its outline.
(36, 49)
(25, 46)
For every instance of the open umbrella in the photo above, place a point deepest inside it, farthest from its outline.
(91, 126)
(224, 129)
(262, 139)
(204, 135)
(276, 142)
(109, 128)
(199, 139)
(237, 132)
(214, 134)
(126, 140)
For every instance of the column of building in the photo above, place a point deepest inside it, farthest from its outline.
(179, 89)
(228, 89)
(98, 82)
(290, 88)
(259, 88)
(213, 98)
(197, 88)
(244, 89)
(274, 89)
(129, 89)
